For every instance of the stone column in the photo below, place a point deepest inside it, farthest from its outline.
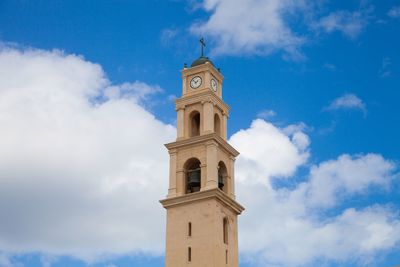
(228, 184)
(180, 123)
(207, 78)
(208, 117)
(184, 85)
(172, 173)
(224, 131)
(232, 176)
(180, 179)
(212, 164)
(203, 176)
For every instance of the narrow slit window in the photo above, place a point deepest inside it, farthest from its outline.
(189, 254)
(225, 230)
(190, 229)
(226, 256)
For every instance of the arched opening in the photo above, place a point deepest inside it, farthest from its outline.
(194, 125)
(193, 175)
(217, 124)
(222, 176)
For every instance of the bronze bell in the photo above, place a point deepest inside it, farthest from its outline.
(194, 178)
(220, 181)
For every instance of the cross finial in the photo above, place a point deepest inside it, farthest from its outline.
(202, 44)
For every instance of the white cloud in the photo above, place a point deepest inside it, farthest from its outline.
(47, 260)
(83, 166)
(347, 101)
(290, 227)
(345, 176)
(290, 151)
(250, 26)
(5, 261)
(394, 12)
(266, 114)
(261, 27)
(349, 23)
(168, 36)
(78, 153)
(385, 70)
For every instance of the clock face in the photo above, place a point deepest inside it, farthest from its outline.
(214, 85)
(195, 82)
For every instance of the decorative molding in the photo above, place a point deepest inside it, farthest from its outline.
(203, 68)
(202, 139)
(214, 193)
(177, 108)
(202, 96)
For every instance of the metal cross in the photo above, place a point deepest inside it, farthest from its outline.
(202, 44)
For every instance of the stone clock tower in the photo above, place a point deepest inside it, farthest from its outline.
(201, 207)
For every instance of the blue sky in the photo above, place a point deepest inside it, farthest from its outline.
(313, 88)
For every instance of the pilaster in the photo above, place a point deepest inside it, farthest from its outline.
(231, 180)
(180, 122)
(208, 116)
(224, 125)
(180, 178)
(172, 173)
(212, 164)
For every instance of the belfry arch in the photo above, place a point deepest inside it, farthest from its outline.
(194, 123)
(192, 176)
(223, 177)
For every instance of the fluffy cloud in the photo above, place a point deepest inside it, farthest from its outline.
(394, 12)
(349, 23)
(385, 70)
(344, 176)
(83, 166)
(290, 151)
(347, 101)
(250, 26)
(266, 114)
(77, 154)
(240, 27)
(5, 261)
(289, 226)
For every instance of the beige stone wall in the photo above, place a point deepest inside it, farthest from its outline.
(206, 72)
(209, 155)
(207, 208)
(206, 242)
(207, 111)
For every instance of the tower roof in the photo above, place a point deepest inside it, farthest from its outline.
(201, 60)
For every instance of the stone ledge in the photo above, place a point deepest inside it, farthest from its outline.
(201, 139)
(201, 95)
(214, 193)
(200, 68)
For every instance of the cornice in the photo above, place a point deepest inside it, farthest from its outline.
(214, 193)
(200, 68)
(204, 95)
(203, 139)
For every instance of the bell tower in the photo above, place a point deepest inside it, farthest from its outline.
(201, 207)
